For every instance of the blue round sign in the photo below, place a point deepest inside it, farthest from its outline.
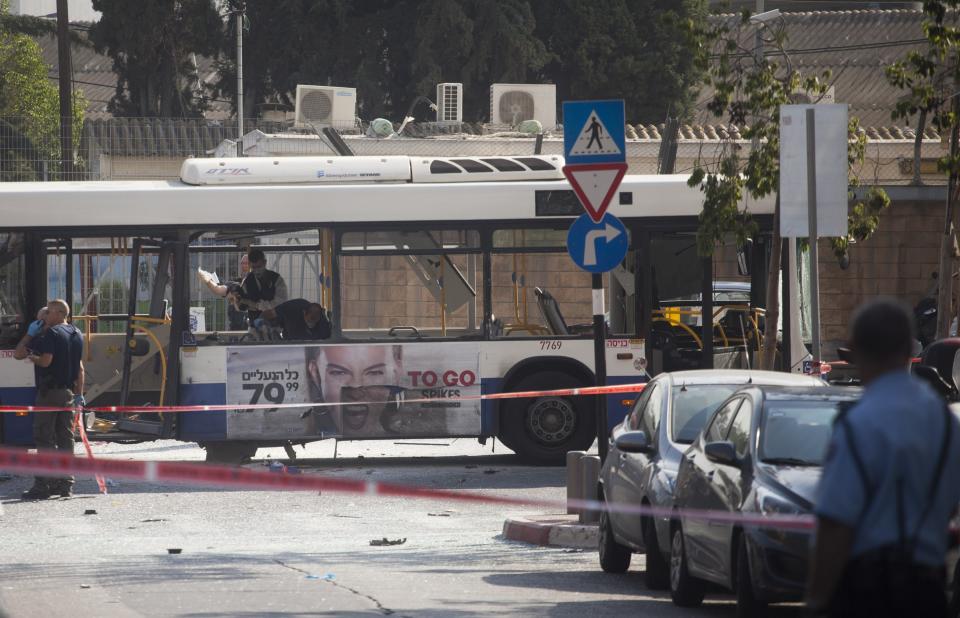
(597, 247)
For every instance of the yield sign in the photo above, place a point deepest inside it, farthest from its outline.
(595, 185)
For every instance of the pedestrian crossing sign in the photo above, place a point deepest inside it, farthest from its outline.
(593, 132)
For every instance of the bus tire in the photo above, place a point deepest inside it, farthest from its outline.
(541, 430)
(232, 453)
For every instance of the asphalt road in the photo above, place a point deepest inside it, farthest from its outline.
(247, 553)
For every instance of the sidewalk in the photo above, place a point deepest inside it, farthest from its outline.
(558, 530)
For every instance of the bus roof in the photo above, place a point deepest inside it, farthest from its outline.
(104, 204)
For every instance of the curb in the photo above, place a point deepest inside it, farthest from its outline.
(553, 532)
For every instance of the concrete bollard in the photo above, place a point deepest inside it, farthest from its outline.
(574, 484)
(589, 475)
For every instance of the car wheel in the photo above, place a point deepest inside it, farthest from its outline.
(685, 590)
(747, 604)
(657, 575)
(614, 557)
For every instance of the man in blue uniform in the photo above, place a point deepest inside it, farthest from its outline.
(889, 486)
(56, 349)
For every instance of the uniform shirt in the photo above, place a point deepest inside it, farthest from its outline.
(897, 429)
(263, 291)
(290, 319)
(34, 348)
(65, 343)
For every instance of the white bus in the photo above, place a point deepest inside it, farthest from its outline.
(443, 279)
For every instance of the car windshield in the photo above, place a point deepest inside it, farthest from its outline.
(796, 432)
(692, 406)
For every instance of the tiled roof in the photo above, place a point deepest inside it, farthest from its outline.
(855, 46)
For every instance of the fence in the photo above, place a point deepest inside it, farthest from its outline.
(154, 148)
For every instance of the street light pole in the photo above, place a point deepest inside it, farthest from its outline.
(239, 14)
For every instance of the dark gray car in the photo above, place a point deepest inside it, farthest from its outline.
(760, 453)
(644, 456)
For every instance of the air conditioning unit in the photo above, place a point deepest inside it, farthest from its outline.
(450, 102)
(325, 106)
(511, 104)
(804, 97)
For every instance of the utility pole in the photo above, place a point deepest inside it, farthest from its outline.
(945, 276)
(240, 14)
(66, 90)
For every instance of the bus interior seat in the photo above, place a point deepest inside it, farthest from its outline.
(550, 310)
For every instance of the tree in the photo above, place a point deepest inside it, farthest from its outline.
(748, 90)
(642, 51)
(152, 44)
(931, 78)
(29, 107)
(391, 51)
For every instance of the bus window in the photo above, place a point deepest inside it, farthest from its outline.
(410, 284)
(12, 286)
(537, 289)
(294, 255)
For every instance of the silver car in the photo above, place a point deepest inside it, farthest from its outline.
(644, 457)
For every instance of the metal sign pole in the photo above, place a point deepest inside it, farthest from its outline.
(600, 363)
(814, 257)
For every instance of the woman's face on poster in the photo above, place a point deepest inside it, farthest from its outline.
(354, 376)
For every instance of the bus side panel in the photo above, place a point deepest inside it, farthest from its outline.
(17, 428)
(203, 381)
(17, 387)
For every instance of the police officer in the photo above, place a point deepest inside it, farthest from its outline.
(261, 289)
(890, 483)
(56, 349)
(300, 320)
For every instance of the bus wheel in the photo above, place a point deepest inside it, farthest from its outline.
(229, 453)
(541, 430)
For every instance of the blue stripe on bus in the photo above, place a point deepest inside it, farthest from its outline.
(17, 429)
(199, 426)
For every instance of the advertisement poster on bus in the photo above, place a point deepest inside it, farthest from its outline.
(377, 391)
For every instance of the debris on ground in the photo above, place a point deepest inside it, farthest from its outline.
(90, 512)
(325, 577)
(152, 521)
(84, 586)
(489, 471)
(386, 541)
(174, 550)
(438, 514)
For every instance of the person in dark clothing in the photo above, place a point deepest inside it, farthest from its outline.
(890, 483)
(56, 349)
(300, 320)
(261, 289)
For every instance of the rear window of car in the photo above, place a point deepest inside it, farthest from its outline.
(692, 406)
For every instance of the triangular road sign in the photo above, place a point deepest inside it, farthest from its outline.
(594, 139)
(595, 185)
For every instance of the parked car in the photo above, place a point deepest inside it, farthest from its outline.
(644, 456)
(761, 453)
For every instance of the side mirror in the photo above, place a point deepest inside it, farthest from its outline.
(722, 453)
(634, 442)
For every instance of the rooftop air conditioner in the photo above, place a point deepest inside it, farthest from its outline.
(325, 106)
(511, 104)
(450, 102)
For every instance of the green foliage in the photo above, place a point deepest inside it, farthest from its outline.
(30, 108)
(747, 93)
(151, 43)
(642, 51)
(931, 76)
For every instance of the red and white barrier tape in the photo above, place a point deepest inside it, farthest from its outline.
(13, 460)
(560, 392)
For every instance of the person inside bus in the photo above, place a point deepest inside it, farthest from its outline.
(300, 320)
(261, 288)
(236, 305)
